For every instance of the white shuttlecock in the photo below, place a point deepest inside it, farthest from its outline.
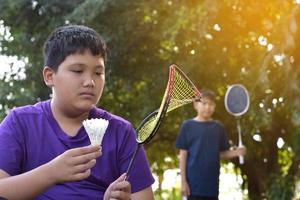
(95, 129)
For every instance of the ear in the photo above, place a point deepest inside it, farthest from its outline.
(48, 76)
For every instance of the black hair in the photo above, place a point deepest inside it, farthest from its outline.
(71, 39)
(208, 94)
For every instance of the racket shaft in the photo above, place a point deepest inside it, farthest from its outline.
(132, 161)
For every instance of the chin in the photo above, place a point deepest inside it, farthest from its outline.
(86, 106)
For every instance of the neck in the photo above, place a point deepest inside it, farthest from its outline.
(63, 112)
(202, 119)
(70, 123)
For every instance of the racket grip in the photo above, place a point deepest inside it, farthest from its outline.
(241, 159)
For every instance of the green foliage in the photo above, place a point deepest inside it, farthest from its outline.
(173, 194)
(284, 160)
(217, 43)
(280, 187)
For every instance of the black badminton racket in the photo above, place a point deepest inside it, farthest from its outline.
(179, 91)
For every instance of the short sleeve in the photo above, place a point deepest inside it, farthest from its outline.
(11, 154)
(182, 140)
(140, 176)
(224, 143)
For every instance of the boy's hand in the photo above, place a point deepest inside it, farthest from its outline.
(74, 164)
(241, 151)
(185, 189)
(119, 189)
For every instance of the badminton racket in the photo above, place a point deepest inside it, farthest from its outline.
(179, 91)
(237, 104)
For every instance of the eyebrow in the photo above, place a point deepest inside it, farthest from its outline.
(84, 65)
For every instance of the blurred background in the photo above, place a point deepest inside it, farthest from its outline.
(216, 43)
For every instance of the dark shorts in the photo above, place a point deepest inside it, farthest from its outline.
(201, 198)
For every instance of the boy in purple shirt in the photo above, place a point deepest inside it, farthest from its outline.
(45, 152)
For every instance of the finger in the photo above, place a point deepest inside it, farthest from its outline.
(84, 150)
(81, 176)
(119, 195)
(183, 192)
(121, 178)
(82, 159)
(118, 180)
(123, 186)
(84, 167)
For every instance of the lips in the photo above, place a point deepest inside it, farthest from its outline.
(87, 94)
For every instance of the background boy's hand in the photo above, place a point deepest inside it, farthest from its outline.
(74, 164)
(241, 151)
(185, 189)
(119, 189)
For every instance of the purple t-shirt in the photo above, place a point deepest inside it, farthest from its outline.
(30, 136)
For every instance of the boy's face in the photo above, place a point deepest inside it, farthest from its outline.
(78, 82)
(205, 108)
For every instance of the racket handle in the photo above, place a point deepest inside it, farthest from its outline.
(241, 159)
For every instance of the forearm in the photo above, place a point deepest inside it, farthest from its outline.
(146, 194)
(183, 171)
(227, 155)
(27, 185)
(232, 153)
(182, 164)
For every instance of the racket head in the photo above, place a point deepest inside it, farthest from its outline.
(149, 126)
(179, 91)
(237, 100)
(184, 91)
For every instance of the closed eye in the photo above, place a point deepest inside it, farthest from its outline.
(99, 73)
(77, 71)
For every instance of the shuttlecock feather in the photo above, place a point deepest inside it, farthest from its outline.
(95, 129)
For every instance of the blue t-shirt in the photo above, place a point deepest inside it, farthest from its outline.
(203, 142)
(30, 137)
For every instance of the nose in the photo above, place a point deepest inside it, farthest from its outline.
(89, 82)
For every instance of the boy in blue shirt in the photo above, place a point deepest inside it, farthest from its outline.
(202, 142)
(45, 152)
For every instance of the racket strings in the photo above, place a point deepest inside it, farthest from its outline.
(145, 131)
(147, 128)
(183, 92)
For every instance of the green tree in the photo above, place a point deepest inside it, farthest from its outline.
(217, 43)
